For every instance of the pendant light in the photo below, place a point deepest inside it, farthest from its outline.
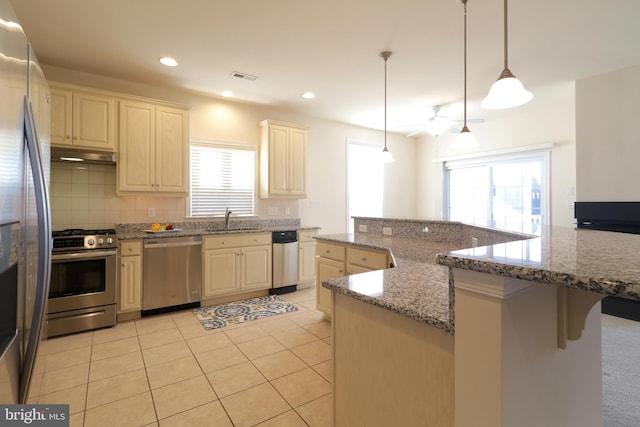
(386, 154)
(465, 138)
(507, 91)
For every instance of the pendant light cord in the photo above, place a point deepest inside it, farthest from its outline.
(385, 55)
(465, 63)
(506, 36)
(385, 102)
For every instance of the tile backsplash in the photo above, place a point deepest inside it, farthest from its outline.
(84, 196)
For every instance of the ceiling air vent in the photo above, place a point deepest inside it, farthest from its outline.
(245, 76)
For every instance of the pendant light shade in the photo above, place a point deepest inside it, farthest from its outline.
(465, 138)
(507, 91)
(386, 154)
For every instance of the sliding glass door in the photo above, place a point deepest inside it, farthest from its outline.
(508, 192)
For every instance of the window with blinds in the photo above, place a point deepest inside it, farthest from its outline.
(222, 176)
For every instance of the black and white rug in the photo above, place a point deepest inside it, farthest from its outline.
(219, 316)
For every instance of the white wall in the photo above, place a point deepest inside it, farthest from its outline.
(548, 118)
(608, 146)
(219, 119)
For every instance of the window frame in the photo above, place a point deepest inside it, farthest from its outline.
(228, 145)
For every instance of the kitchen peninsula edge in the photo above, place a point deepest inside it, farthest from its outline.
(518, 345)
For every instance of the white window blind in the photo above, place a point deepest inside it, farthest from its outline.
(222, 176)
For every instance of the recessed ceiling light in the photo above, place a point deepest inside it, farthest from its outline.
(308, 95)
(168, 61)
(227, 94)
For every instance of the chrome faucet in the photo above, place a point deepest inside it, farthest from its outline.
(227, 213)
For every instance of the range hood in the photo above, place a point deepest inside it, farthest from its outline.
(60, 154)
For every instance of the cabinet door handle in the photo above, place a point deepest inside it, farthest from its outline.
(364, 260)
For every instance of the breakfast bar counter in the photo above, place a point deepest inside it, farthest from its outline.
(502, 334)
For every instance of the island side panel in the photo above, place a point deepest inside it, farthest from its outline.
(389, 369)
(509, 368)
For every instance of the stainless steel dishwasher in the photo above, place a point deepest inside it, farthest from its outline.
(285, 262)
(172, 273)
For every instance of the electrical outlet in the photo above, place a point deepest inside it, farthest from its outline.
(272, 211)
(474, 242)
(362, 228)
(387, 231)
(151, 213)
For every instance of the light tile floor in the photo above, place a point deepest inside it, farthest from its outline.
(167, 370)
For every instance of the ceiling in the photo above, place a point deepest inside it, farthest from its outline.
(331, 47)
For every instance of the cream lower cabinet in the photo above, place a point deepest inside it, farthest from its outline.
(236, 263)
(362, 261)
(82, 119)
(329, 265)
(306, 257)
(153, 151)
(130, 276)
(335, 260)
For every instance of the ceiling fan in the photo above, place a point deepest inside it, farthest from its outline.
(437, 124)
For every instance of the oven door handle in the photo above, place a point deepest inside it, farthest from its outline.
(82, 255)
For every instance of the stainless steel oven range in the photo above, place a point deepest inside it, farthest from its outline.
(83, 294)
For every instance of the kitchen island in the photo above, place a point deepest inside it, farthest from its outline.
(520, 346)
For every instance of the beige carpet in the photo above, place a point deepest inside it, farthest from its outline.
(621, 372)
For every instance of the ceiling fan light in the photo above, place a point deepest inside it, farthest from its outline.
(436, 126)
(465, 139)
(387, 157)
(506, 92)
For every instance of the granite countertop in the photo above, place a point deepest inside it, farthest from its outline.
(200, 231)
(596, 261)
(416, 287)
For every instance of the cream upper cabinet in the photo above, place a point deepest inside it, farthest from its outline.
(153, 149)
(130, 276)
(83, 119)
(283, 157)
(236, 263)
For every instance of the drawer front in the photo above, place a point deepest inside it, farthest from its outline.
(306, 235)
(236, 240)
(133, 247)
(327, 250)
(368, 259)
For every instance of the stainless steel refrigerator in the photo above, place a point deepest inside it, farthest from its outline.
(25, 235)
